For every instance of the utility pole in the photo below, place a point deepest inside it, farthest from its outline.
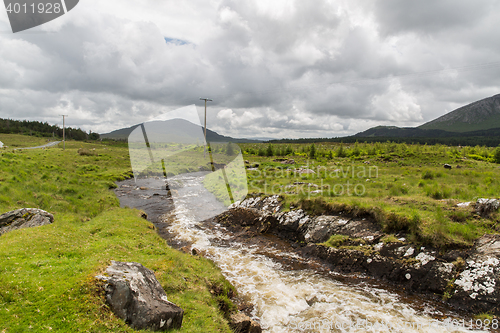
(64, 136)
(205, 148)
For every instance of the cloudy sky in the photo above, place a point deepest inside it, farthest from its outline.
(278, 68)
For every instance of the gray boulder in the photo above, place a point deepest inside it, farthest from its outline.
(485, 207)
(24, 218)
(134, 295)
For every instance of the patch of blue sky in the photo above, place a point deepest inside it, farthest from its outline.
(176, 41)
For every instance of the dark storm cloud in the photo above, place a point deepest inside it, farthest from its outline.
(286, 68)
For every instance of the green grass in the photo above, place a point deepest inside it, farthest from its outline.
(19, 140)
(403, 187)
(47, 273)
(336, 240)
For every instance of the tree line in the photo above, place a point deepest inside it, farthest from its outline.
(488, 141)
(39, 129)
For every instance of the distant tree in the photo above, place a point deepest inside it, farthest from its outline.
(94, 136)
(270, 150)
(312, 151)
(356, 151)
(341, 151)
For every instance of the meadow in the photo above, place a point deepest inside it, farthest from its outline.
(403, 187)
(47, 273)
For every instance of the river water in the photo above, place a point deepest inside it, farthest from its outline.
(289, 293)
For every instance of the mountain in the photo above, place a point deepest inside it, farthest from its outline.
(481, 115)
(478, 119)
(177, 130)
(416, 132)
(402, 132)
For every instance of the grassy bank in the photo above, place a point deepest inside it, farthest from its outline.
(403, 187)
(47, 273)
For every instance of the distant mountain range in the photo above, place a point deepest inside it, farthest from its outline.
(481, 118)
(175, 130)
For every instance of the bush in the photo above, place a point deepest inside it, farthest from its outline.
(341, 151)
(496, 155)
(86, 152)
(270, 151)
(312, 151)
(427, 175)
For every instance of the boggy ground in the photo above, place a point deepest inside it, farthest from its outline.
(463, 278)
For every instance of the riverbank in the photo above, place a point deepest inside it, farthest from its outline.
(464, 279)
(47, 273)
(283, 290)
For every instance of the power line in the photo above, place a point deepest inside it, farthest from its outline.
(64, 136)
(206, 100)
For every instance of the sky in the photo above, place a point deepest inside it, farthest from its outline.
(274, 69)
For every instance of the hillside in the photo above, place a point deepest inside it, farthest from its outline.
(403, 132)
(177, 130)
(481, 115)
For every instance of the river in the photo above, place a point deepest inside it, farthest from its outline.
(289, 293)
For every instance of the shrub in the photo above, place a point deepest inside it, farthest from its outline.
(427, 175)
(496, 155)
(86, 152)
(270, 150)
(341, 151)
(312, 151)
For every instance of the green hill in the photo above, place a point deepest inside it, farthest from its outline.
(481, 115)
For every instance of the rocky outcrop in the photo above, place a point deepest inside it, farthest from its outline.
(134, 295)
(24, 218)
(476, 287)
(468, 279)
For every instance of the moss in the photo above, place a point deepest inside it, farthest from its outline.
(335, 240)
(390, 239)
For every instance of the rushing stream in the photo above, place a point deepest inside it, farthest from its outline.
(289, 293)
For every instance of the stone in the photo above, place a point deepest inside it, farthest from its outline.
(134, 295)
(485, 207)
(477, 284)
(24, 218)
(241, 323)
